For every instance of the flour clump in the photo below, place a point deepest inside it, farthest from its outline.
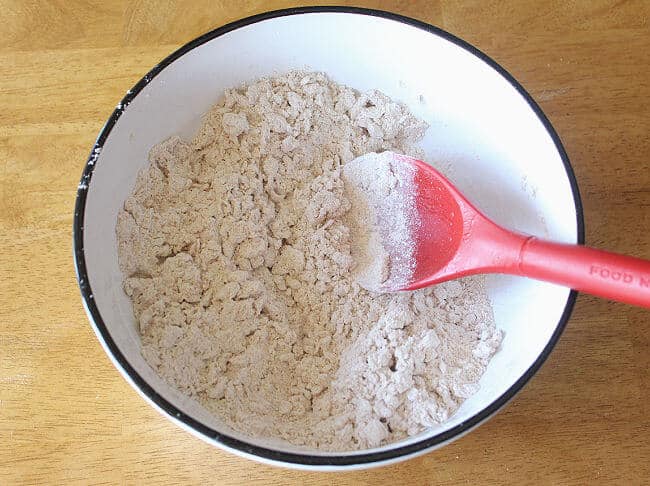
(238, 255)
(383, 220)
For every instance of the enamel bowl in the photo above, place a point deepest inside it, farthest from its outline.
(486, 134)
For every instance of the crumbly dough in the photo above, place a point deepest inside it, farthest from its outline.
(383, 220)
(236, 254)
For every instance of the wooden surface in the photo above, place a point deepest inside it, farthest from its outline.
(67, 416)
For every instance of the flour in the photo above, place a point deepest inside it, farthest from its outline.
(382, 220)
(239, 258)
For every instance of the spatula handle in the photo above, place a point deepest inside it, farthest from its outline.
(605, 274)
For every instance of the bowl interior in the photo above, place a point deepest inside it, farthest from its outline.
(483, 135)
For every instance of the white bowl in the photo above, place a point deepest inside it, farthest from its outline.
(486, 133)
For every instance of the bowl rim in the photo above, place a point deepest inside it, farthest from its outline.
(266, 454)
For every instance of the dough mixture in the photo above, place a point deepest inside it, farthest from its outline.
(237, 254)
(383, 220)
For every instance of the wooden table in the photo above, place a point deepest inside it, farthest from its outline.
(66, 415)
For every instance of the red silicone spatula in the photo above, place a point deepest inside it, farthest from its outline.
(454, 239)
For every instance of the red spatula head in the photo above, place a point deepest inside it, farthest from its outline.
(438, 228)
(451, 237)
(416, 228)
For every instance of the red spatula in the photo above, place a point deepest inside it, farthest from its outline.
(454, 239)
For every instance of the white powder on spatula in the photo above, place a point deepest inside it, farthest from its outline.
(237, 254)
(382, 220)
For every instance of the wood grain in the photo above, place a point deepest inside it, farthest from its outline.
(66, 415)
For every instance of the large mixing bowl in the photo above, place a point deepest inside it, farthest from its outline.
(486, 134)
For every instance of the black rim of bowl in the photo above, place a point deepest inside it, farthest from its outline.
(306, 459)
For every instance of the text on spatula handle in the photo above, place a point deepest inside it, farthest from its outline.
(607, 274)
